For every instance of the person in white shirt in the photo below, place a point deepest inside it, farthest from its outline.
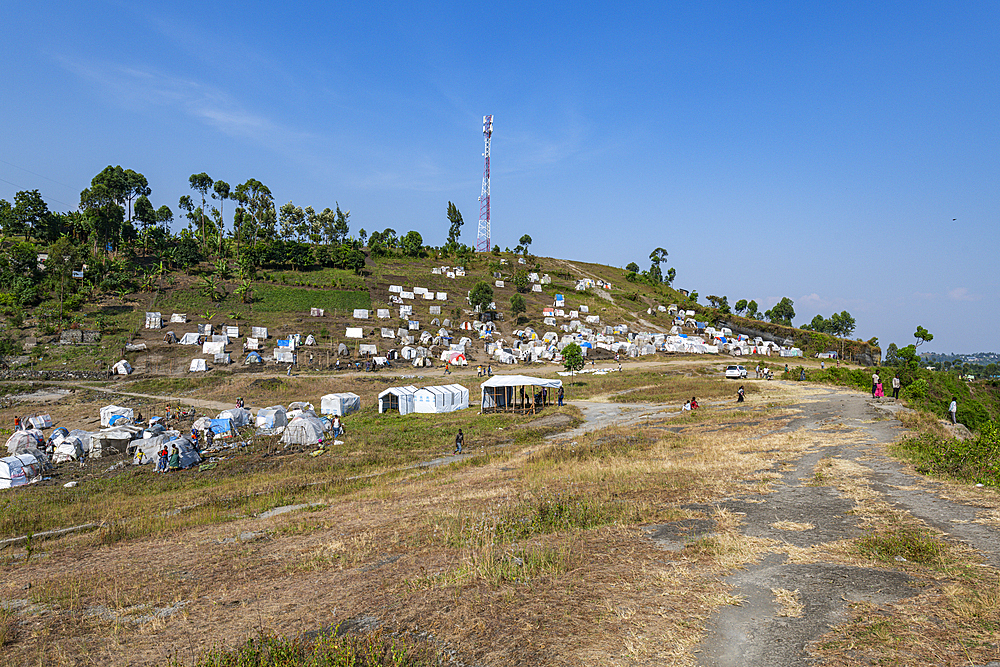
(953, 410)
(895, 387)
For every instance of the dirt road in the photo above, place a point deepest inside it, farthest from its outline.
(849, 432)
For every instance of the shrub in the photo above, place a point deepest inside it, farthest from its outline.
(917, 390)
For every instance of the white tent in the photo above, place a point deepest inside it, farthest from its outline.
(271, 417)
(237, 416)
(367, 349)
(231, 331)
(445, 398)
(179, 317)
(502, 391)
(122, 368)
(211, 347)
(40, 422)
(197, 365)
(154, 321)
(150, 448)
(284, 355)
(189, 338)
(310, 340)
(259, 332)
(397, 398)
(340, 404)
(109, 412)
(303, 430)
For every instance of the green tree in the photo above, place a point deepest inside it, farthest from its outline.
(341, 228)
(842, 324)
(923, 336)
(782, 312)
(656, 257)
(201, 183)
(481, 295)
(290, 219)
(413, 243)
(517, 306)
(525, 241)
(632, 267)
(454, 227)
(572, 358)
(671, 274)
(32, 213)
(740, 306)
(222, 192)
(256, 216)
(892, 355)
(752, 310)
(496, 251)
(521, 281)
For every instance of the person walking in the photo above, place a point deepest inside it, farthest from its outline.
(560, 396)
(953, 410)
(740, 394)
(459, 441)
(17, 423)
(895, 387)
(875, 380)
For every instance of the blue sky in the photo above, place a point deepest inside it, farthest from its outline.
(844, 156)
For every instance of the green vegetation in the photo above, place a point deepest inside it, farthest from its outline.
(276, 299)
(369, 650)
(976, 460)
(916, 545)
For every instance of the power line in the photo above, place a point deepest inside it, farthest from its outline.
(38, 175)
(49, 199)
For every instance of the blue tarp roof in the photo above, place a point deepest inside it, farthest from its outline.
(221, 426)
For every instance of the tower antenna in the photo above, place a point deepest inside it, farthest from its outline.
(483, 240)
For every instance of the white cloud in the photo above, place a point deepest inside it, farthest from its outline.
(961, 294)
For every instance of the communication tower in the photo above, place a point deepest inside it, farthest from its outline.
(483, 240)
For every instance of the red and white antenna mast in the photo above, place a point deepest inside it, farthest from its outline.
(483, 240)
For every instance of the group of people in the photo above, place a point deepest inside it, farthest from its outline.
(692, 404)
(878, 392)
(484, 370)
(765, 372)
(168, 460)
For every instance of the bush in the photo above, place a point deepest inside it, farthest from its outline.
(975, 460)
(917, 390)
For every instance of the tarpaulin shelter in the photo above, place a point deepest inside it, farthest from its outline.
(271, 417)
(122, 368)
(108, 442)
(340, 404)
(20, 441)
(399, 399)
(69, 448)
(303, 430)
(170, 337)
(223, 359)
(154, 320)
(197, 365)
(284, 356)
(40, 422)
(211, 347)
(109, 411)
(455, 358)
(219, 426)
(310, 340)
(253, 358)
(151, 447)
(205, 329)
(438, 399)
(179, 317)
(516, 393)
(231, 331)
(238, 416)
(259, 332)
(17, 470)
(189, 338)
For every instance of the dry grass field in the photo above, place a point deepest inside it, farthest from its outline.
(621, 545)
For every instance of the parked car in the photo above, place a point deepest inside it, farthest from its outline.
(736, 372)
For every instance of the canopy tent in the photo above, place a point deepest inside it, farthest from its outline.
(399, 399)
(303, 430)
(445, 398)
(507, 392)
(340, 404)
(109, 411)
(272, 417)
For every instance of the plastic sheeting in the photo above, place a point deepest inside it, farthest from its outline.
(340, 404)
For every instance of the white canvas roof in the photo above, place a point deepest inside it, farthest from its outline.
(258, 332)
(444, 398)
(20, 440)
(397, 398)
(17, 470)
(340, 404)
(122, 367)
(189, 338)
(197, 365)
(179, 317)
(237, 416)
(211, 347)
(493, 394)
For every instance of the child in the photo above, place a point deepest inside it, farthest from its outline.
(694, 403)
(459, 441)
(739, 395)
